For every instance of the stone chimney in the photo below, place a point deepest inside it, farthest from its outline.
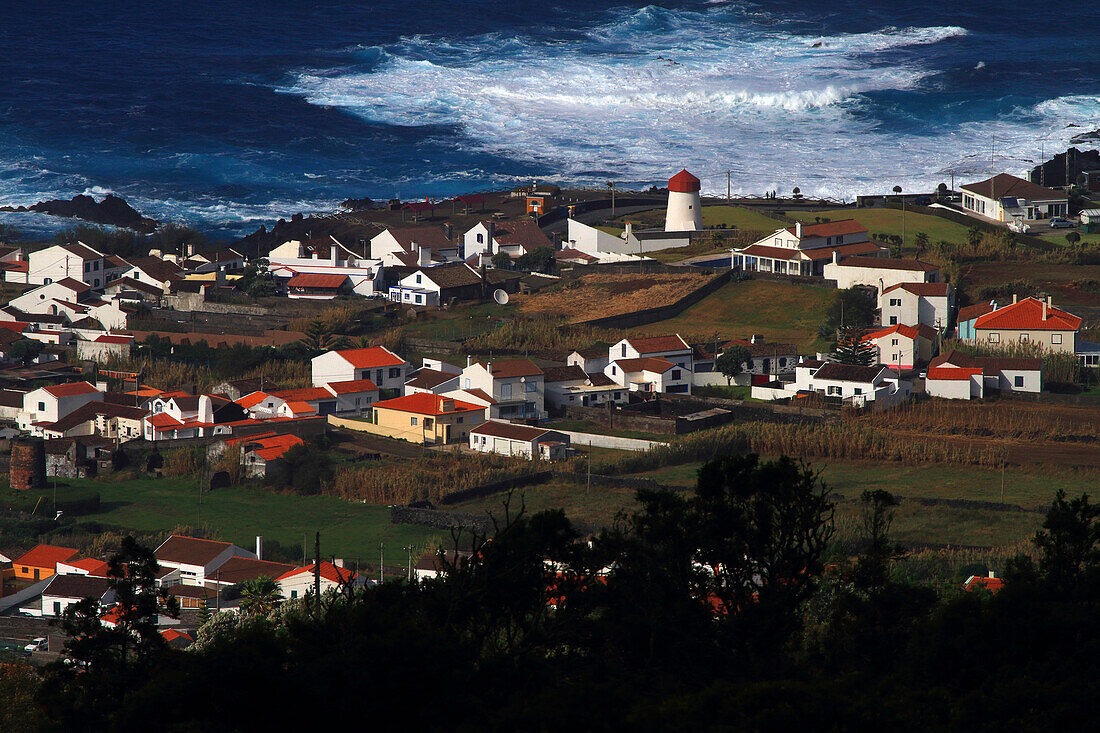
(798, 229)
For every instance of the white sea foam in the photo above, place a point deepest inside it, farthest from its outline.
(645, 94)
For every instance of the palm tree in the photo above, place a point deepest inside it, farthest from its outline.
(897, 190)
(319, 338)
(974, 236)
(260, 596)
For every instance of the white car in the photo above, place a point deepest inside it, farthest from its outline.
(38, 645)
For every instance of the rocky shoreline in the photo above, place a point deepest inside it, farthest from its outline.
(112, 211)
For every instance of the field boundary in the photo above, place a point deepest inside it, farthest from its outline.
(661, 313)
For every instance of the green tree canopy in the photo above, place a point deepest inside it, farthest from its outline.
(731, 361)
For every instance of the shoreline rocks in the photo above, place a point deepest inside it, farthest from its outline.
(112, 211)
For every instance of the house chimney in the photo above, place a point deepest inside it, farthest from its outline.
(1046, 306)
(798, 229)
(992, 574)
(492, 227)
(628, 230)
(836, 258)
(259, 547)
(449, 231)
(469, 360)
(1014, 299)
(489, 367)
(338, 562)
(424, 256)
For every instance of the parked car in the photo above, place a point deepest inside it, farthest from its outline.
(38, 645)
(1060, 223)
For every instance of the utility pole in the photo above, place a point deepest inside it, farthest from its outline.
(317, 572)
(729, 186)
(409, 549)
(611, 185)
(1004, 457)
(381, 562)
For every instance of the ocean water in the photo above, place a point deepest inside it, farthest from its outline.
(232, 114)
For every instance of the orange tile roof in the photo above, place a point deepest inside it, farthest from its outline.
(276, 446)
(317, 280)
(844, 250)
(955, 374)
(908, 332)
(298, 408)
(173, 634)
(352, 386)
(970, 312)
(888, 263)
(426, 403)
(374, 356)
(89, 565)
(71, 390)
(1028, 314)
(302, 395)
(163, 420)
(328, 572)
(252, 399)
(45, 556)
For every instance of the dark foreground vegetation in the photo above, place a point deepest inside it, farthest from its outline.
(709, 611)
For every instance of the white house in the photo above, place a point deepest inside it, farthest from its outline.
(903, 347)
(103, 347)
(590, 360)
(642, 369)
(326, 257)
(805, 249)
(860, 386)
(516, 386)
(412, 246)
(77, 261)
(179, 416)
(515, 238)
(196, 560)
(1005, 197)
(878, 272)
(915, 303)
(153, 271)
(519, 440)
(65, 590)
(960, 376)
(431, 380)
(381, 366)
(571, 386)
(46, 405)
(299, 582)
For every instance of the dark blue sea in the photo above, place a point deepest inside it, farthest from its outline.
(229, 114)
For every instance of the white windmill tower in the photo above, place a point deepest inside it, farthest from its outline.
(684, 205)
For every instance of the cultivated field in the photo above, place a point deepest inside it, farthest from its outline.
(596, 296)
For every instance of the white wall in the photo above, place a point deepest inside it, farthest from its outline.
(954, 389)
(881, 278)
(592, 240)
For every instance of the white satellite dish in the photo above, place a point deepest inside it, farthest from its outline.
(500, 297)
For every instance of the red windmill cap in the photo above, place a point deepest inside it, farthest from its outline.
(683, 182)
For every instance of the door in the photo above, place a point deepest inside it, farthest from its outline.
(446, 433)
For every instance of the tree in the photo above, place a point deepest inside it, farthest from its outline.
(797, 192)
(897, 190)
(852, 348)
(301, 468)
(850, 307)
(319, 338)
(106, 663)
(260, 596)
(974, 236)
(731, 360)
(942, 193)
(1073, 238)
(256, 279)
(876, 514)
(921, 240)
(501, 260)
(25, 350)
(1070, 543)
(540, 259)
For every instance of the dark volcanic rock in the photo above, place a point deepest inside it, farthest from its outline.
(1085, 137)
(112, 210)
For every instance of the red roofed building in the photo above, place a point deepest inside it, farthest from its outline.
(649, 353)
(299, 582)
(1032, 321)
(517, 387)
(514, 238)
(41, 561)
(426, 418)
(903, 347)
(316, 286)
(989, 582)
(684, 212)
(104, 347)
(85, 566)
(805, 249)
(959, 376)
(47, 405)
(177, 639)
(384, 368)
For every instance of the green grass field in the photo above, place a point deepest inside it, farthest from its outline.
(740, 217)
(459, 323)
(889, 221)
(781, 312)
(238, 514)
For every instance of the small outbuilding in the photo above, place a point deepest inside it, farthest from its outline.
(509, 439)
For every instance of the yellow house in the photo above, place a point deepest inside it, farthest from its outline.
(426, 418)
(40, 561)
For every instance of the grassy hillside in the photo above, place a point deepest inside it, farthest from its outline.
(888, 221)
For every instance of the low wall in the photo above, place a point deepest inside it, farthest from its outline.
(609, 441)
(661, 313)
(439, 519)
(621, 419)
(477, 492)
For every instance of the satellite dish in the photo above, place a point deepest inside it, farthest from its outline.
(500, 297)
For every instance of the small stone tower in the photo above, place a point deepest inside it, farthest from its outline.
(28, 464)
(684, 205)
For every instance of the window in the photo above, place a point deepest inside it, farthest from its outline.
(895, 301)
(893, 342)
(614, 370)
(1024, 337)
(480, 238)
(676, 374)
(357, 402)
(893, 320)
(778, 241)
(618, 395)
(378, 376)
(750, 365)
(530, 387)
(95, 265)
(87, 267)
(418, 278)
(395, 373)
(782, 362)
(858, 390)
(840, 239)
(461, 418)
(57, 608)
(624, 350)
(994, 338)
(466, 382)
(1018, 381)
(506, 390)
(419, 299)
(293, 594)
(47, 280)
(412, 421)
(832, 390)
(41, 405)
(1055, 338)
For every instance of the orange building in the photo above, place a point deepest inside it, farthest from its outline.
(41, 561)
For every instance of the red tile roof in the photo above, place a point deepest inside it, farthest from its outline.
(253, 399)
(981, 581)
(110, 338)
(89, 565)
(163, 420)
(71, 390)
(328, 571)
(173, 634)
(73, 284)
(844, 250)
(524, 233)
(970, 312)
(950, 373)
(830, 228)
(426, 403)
(299, 408)
(352, 386)
(656, 344)
(771, 253)
(1028, 315)
(304, 394)
(317, 280)
(368, 358)
(45, 556)
(908, 332)
(648, 363)
(683, 182)
(189, 550)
